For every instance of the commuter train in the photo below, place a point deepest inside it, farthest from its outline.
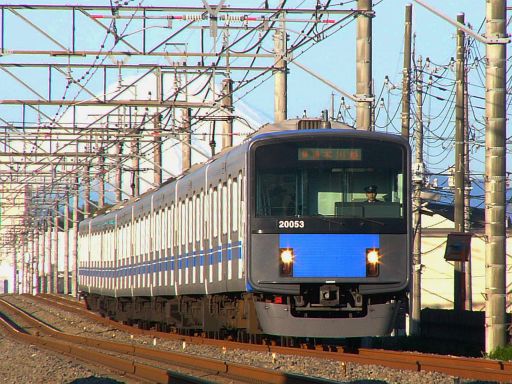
(271, 237)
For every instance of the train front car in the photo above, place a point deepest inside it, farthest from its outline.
(326, 261)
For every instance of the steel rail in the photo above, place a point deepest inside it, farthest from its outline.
(211, 367)
(470, 368)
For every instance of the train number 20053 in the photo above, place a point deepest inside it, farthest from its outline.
(291, 224)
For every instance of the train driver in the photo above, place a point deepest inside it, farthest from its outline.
(371, 194)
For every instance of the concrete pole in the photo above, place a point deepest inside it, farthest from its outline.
(74, 248)
(23, 276)
(36, 261)
(101, 179)
(418, 183)
(15, 288)
(157, 150)
(49, 246)
(406, 73)
(119, 171)
(87, 190)
(55, 251)
(42, 274)
(364, 65)
(458, 266)
(135, 182)
(66, 246)
(227, 104)
(495, 176)
(467, 192)
(32, 261)
(280, 74)
(186, 158)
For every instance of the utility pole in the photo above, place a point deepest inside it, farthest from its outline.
(280, 74)
(406, 74)
(467, 189)
(495, 171)
(186, 152)
(459, 274)
(418, 183)
(364, 65)
(227, 104)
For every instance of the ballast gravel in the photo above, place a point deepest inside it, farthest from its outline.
(26, 364)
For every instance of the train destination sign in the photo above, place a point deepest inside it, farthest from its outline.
(351, 154)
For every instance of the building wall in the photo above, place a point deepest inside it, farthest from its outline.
(437, 273)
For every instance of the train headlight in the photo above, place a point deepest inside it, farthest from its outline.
(372, 262)
(286, 261)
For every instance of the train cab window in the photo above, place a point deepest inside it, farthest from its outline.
(322, 178)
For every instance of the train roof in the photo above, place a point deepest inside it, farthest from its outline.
(305, 125)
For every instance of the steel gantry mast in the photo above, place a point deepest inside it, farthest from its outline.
(114, 102)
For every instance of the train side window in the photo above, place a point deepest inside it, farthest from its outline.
(224, 208)
(197, 222)
(183, 220)
(148, 235)
(172, 237)
(163, 229)
(157, 231)
(190, 216)
(207, 194)
(215, 212)
(142, 234)
(136, 239)
(234, 204)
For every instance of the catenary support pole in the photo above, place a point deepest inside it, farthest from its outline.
(157, 149)
(101, 178)
(459, 284)
(186, 152)
(37, 239)
(55, 251)
(280, 74)
(495, 171)
(87, 190)
(118, 184)
(49, 247)
(66, 246)
(227, 104)
(74, 248)
(15, 288)
(406, 73)
(364, 65)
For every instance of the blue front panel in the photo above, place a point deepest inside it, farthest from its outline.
(329, 255)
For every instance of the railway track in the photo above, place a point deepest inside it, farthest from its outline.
(142, 363)
(468, 368)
